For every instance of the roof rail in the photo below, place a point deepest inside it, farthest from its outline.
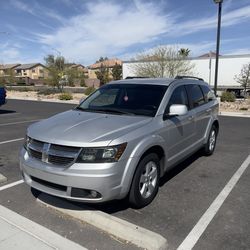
(134, 77)
(191, 77)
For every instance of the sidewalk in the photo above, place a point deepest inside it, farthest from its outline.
(18, 232)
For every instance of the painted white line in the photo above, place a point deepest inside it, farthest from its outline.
(13, 123)
(14, 140)
(207, 217)
(37, 232)
(119, 228)
(11, 185)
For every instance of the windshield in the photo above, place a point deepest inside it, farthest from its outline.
(128, 99)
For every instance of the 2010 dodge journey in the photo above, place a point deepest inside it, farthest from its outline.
(120, 140)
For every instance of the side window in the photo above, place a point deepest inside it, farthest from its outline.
(179, 96)
(208, 93)
(195, 95)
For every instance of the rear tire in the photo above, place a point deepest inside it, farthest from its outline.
(211, 142)
(145, 183)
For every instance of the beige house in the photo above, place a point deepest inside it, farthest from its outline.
(78, 67)
(7, 69)
(110, 63)
(34, 71)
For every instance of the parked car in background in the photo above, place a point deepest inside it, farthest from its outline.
(120, 140)
(2, 96)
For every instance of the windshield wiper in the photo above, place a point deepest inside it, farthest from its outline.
(117, 111)
(105, 110)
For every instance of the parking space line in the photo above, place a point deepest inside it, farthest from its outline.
(13, 123)
(11, 185)
(14, 140)
(207, 217)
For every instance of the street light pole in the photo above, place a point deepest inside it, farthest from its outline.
(217, 44)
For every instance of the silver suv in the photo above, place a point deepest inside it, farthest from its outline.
(119, 141)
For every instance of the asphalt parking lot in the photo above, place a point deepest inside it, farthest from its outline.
(185, 195)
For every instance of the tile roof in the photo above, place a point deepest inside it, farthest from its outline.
(29, 66)
(210, 54)
(108, 63)
(9, 66)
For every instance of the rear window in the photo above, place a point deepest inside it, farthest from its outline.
(195, 95)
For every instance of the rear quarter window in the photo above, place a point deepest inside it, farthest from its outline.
(208, 93)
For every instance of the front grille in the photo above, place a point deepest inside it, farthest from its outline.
(58, 160)
(57, 155)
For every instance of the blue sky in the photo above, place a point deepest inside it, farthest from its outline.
(84, 30)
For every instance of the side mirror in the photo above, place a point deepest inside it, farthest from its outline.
(178, 109)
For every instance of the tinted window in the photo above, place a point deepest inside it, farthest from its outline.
(195, 95)
(136, 99)
(179, 96)
(208, 93)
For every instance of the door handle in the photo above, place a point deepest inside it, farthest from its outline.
(208, 110)
(190, 118)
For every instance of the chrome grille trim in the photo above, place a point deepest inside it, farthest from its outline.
(51, 153)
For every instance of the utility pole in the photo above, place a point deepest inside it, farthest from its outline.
(217, 44)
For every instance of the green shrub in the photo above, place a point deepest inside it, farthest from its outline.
(228, 97)
(244, 108)
(48, 91)
(65, 96)
(89, 90)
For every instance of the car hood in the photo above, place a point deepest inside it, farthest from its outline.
(77, 128)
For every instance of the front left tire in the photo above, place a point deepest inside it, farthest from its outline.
(145, 183)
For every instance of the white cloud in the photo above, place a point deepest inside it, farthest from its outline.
(107, 29)
(229, 18)
(23, 7)
(241, 51)
(37, 10)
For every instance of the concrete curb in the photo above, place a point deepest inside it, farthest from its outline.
(119, 228)
(234, 114)
(2, 178)
(44, 100)
(37, 232)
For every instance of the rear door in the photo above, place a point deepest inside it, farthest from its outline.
(201, 110)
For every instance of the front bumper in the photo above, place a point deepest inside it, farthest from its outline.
(105, 179)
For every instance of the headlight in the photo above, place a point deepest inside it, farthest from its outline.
(100, 155)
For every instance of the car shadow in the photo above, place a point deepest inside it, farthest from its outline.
(175, 170)
(3, 112)
(115, 206)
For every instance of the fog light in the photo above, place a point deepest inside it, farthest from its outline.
(93, 193)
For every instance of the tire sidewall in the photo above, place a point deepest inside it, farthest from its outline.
(207, 150)
(135, 197)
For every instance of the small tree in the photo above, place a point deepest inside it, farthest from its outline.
(244, 77)
(103, 74)
(9, 76)
(56, 67)
(117, 72)
(163, 61)
(184, 52)
(102, 59)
